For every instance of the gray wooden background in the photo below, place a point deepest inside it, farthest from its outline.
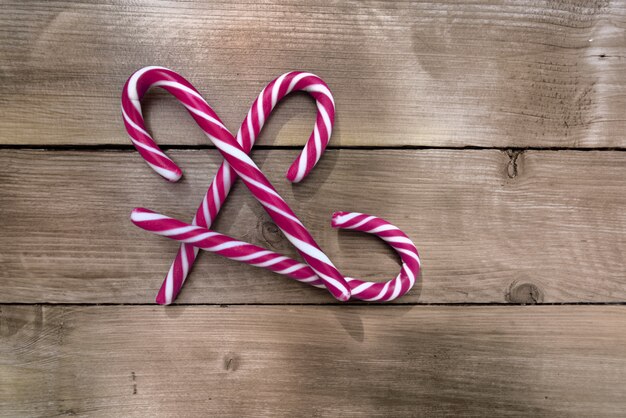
(493, 133)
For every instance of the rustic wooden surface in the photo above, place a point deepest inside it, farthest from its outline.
(313, 361)
(476, 215)
(511, 181)
(436, 74)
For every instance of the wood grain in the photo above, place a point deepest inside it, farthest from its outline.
(313, 361)
(542, 74)
(534, 227)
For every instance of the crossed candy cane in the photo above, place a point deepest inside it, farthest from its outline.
(318, 270)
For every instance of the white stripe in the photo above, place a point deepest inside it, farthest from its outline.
(331, 281)
(364, 221)
(235, 152)
(252, 256)
(320, 88)
(185, 263)
(205, 116)
(396, 289)
(382, 228)
(326, 119)
(310, 279)
(293, 268)
(409, 274)
(216, 198)
(380, 295)
(295, 81)
(133, 124)
(146, 216)
(302, 160)
(149, 148)
(225, 246)
(176, 84)
(260, 185)
(340, 220)
(403, 240)
(276, 89)
(227, 180)
(169, 285)
(271, 262)
(318, 143)
(205, 210)
(259, 109)
(309, 250)
(177, 231)
(409, 253)
(362, 287)
(250, 128)
(168, 174)
(201, 237)
(282, 212)
(132, 92)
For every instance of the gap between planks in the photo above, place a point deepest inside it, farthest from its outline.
(360, 304)
(130, 147)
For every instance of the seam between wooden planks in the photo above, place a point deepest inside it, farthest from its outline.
(129, 147)
(375, 305)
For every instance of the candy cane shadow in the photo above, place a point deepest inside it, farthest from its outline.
(173, 311)
(349, 317)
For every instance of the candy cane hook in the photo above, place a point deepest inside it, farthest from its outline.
(234, 249)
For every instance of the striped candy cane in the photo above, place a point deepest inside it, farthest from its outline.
(234, 249)
(140, 82)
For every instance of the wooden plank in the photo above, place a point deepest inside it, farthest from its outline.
(539, 226)
(403, 73)
(313, 361)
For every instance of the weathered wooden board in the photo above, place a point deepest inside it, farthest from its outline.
(540, 226)
(403, 73)
(313, 361)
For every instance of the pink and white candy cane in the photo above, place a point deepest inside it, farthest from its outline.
(235, 153)
(141, 81)
(256, 256)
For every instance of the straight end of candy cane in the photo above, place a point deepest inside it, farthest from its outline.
(161, 299)
(174, 178)
(142, 218)
(339, 219)
(171, 173)
(139, 215)
(295, 174)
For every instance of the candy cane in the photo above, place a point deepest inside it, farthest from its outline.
(234, 249)
(277, 208)
(146, 78)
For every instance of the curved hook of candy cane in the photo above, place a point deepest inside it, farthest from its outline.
(134, 90)
(394, 237)
(234, 249)
(275, 91)
(146, 78)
